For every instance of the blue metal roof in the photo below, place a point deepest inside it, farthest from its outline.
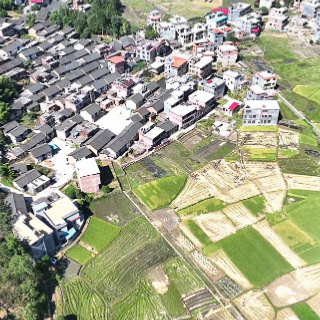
(40, 206)
(70, 233)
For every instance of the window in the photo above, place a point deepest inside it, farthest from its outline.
(254, 116)
(269, 121)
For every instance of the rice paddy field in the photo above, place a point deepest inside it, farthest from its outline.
(255, 205)
(160, 193)
(79, 254)
(116, 283)
(260, 154)
(304, 312)
(256, 258)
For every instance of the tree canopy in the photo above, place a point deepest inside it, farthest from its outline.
(21, 295)
(104, 17)
(150, 33)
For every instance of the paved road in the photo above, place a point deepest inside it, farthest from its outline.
(298, 113)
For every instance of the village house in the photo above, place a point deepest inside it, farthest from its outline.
(309, 8)
(265, 79)
(278, 18)
(216, 86)
(202, 99)
(116, 64)
(92, 112)
(166, 30)
(227, 54)
(63, 130)
(88, 174)
(23, 180)
(238, 10)
(98, 141)
(16, 204)
(153, 18)
(230, 107)
(215, 36)
(260, 113)
(38, 184)
(183, 115)
(175, 66)
(216, 19)
(233, 79)
(200, 68)
(135, 101)
(151, 135)
(17, 134)
(41, 153)
(255, 92)
(7, 29)
(78, 154)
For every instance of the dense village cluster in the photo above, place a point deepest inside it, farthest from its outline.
(91, 100)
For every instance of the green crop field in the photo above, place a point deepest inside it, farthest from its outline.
(197, 232)
(299, 164)
(260, 154)
(160, 193)
(99, 233)
(256, 258)
(114, 284)
(222, 152)
(287, 152)
(259, 128)
(304, 312)
(308, 140)
(79, 254)
(310, 92)
(303, 193)
(306, 215)
(205, 206)
(115, 208)
(254, 204)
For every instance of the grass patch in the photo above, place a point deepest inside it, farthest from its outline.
(259, 128)
(312, 255)
(275, 218)
(256, 258)
(260, 154)
(79, 254)
(308, 140)
(198, 232)
(222, 152)
(299, 164)
(255, 205)
(304, 312)
(172, 302)
(114, 208)
(287, 152)
(160, 193)
(202, 143)
(303, 193)
(99, 233)
(205, 206)
(286, 112)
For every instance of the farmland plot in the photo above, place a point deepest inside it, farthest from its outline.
(255, 305)
(218, 314)
(259, 139)
(220, 259)
(296, 181)
(286, 314)
(314, 304)
(279, 244)
(309, 277)
(288, 139)
(190, 235)
(216, 225)
(286, 291)
(239, 215)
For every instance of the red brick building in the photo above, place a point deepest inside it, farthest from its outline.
(88, 175)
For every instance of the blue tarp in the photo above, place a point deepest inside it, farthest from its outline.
(70, 233)
(53, 146)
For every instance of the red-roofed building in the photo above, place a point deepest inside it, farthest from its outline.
(40, 1)
(153, 18)
(116, 64)
(225, 11)
(215, 36)
(230, 107)
(176, 66)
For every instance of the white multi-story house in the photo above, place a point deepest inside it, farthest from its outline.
(265, 79)
(233, 79)
(227, 54)
(260, 113)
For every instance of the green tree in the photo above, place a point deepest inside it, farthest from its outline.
(150, 33)
(3, 13)
(30, 19)
(4, 113)
(105, 189)
(277, 4)
(6, 4)
(7, 172)
(125, 28)
(264, 10)
(231, 37)
(35, 7)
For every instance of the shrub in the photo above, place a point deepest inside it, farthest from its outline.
(105, 189)
(71, 191)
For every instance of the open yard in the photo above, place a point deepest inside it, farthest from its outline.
(160, 193)
(99, 233)
(256, 259)
(204, 206)
(79, 254)
(115, 208)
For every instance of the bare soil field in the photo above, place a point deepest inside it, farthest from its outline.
(239, 215)
(254, 305)
(199, 299)
(265, 230)
(221, 260)
(218, 314)
(159, 280)
(288, 139)
(314, 304)
(191, 139)
(308, 277)
(286, 314)
(296, 181)
(216, 225)
(286, 291)
(205, 263)
(168, 218)
(258, 139)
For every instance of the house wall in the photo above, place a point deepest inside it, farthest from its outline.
(265, 117)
